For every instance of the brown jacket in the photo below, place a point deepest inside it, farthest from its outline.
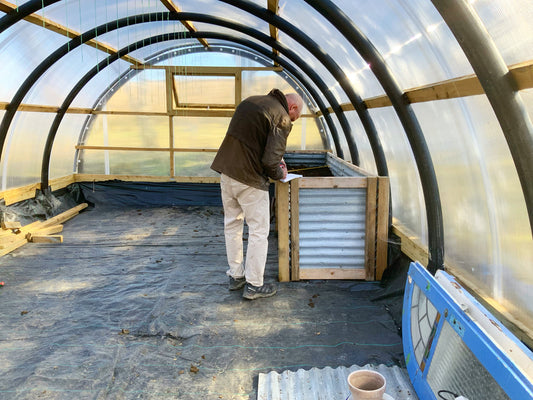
(255, 141)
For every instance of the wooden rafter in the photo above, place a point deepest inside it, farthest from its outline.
(169, 4)
(62, 30)
(454, 88)
(273, 6)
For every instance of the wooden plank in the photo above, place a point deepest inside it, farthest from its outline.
(9, 225)
(169, 4)
(13, 246)
(49, 230)
(46, 239)
(410, 245)
(382, 236)
(13, 196)
(523, 74)
(45, 109)
(64, 216)
(370, 235)
(125, 148)
(60, 183)
(333, 182)
(145, 178)
(282, 218)
(295, 229)
(332, 273)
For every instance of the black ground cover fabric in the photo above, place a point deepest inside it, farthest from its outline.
(134, 305)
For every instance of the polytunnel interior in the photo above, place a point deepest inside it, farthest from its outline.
(122, 105)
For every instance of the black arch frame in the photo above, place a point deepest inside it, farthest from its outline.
(407, 118)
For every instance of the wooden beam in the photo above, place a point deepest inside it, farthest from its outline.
(169, 4)
(273, 6)
(11, 225)
(46, 109)
(124, 148)
(46, 238)
(382, 223)
(63, 30)
(464, 86)
(88, 178)
(332, 273)
(282, 222)
(370, 229)
(295, 228)
(410, 244)
(192, 70)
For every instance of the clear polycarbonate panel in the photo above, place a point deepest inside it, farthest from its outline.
(305, 135)
(65, 141)
(333, 42)
(206, 89)
(129, 131)
(411, 37)
(93, 162)
(225, 11)
(194, 164)
(100, 83)
(82, 15)
(60, 78)
(314, 64)
(117, 162)
(145, 33)
(261, 82)
(23, 47)
(23, 150)
(509, 25)
(366, 156)
(408, 204)
(142, 91)
(482, 200)
(199, 132)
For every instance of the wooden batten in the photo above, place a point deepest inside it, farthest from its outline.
(332, 273)
(382, 239)
(370, 242)
(294, 226)
(46, 239)
(282, 219)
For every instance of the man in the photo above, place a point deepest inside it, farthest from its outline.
(250, 153)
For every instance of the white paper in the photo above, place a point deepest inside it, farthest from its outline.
(290, 177)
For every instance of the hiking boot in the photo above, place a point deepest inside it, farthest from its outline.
(252, 292)
(236, 283)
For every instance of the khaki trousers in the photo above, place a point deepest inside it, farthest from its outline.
(242, 202)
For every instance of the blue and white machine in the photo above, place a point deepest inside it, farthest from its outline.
(454, 347)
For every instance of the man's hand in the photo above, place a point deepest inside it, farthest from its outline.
(283, 167)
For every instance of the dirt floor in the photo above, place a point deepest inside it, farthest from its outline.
(134, 305)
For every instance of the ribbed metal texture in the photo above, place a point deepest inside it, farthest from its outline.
(338, 168)
(329, 384)
(307, 159)
(332, 228)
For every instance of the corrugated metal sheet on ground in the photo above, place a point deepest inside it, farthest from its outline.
(329, 384)
(332, 228)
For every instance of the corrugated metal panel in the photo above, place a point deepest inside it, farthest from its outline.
(332, 227)
(338, 168)
(329, 384)
(307, 159)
